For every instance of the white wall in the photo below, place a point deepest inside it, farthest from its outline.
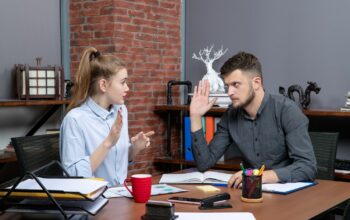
(29, 29)
(17, 121)
(296, 41)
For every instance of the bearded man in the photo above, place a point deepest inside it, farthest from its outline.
(267, 129)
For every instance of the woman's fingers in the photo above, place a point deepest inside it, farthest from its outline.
(150, 133)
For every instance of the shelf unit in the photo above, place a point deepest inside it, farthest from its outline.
(330, 114)
(7, 157)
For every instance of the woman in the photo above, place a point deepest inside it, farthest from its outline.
(94, 139)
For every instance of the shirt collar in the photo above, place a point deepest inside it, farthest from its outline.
(99, 111)
(263, 104)
(261, 108)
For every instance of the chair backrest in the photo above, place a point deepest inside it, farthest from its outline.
(34, 152)
(325, 147)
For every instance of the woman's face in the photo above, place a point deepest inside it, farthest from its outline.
(117, 88)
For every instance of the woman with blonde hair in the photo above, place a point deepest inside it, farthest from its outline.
(94, 140)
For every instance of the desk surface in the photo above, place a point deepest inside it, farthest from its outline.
(303, 204)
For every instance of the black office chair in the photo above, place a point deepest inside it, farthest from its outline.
(34, 152)
(325, 147)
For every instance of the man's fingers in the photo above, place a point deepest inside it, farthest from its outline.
(195, 91)
(212, 102)
(200, 87)
(206, 87)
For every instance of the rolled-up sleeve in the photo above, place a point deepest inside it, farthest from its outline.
(72, 149)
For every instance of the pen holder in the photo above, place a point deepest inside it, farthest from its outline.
(251, 188)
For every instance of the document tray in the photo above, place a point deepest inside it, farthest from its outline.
(47, 207)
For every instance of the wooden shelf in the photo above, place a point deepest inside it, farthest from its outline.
(17, 103)
(7, 157)
(326, 113)
(309, 112)
(342, 177)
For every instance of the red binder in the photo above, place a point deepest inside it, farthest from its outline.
(210, 128)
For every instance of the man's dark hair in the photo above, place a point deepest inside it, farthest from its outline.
(243, 61)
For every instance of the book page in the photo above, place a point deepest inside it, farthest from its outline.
(216, 177)
(157, 189)
(194, 177)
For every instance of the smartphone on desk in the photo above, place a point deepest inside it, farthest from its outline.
(186, 200)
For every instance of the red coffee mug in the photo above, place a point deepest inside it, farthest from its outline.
(141, 187)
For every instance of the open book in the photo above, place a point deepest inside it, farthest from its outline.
(196, 177)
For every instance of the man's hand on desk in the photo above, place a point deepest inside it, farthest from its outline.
(269, 176)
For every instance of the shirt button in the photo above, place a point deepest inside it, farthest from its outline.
(256, 139)
(195, 140)
(257, 154)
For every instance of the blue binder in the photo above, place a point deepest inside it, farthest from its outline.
(187, 139)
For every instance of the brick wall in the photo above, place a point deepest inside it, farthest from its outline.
(146, 35)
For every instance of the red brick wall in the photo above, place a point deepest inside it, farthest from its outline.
(146, 35)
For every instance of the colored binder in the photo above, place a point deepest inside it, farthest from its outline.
(187, 139)
(210, 128)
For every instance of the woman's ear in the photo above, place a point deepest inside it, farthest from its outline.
(102, 84)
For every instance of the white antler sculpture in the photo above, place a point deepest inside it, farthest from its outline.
(216, 83)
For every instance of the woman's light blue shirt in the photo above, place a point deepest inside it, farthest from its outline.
(83, 130)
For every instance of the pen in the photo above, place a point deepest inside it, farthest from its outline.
(261, 169)
(219, 184)
(242, 167)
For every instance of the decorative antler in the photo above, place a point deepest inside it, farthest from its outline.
(207, 51)
(216, 83)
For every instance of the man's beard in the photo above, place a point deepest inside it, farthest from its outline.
(249, 99)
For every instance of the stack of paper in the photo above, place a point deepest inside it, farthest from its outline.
(69, 188)
(346, 107)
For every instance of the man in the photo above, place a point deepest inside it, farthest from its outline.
(267, 129)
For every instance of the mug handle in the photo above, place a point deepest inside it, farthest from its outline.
(126, 186)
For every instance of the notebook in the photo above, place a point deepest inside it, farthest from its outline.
(285, 188)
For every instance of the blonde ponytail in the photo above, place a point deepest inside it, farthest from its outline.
(92, 66)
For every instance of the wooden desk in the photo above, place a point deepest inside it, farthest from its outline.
(303, 204)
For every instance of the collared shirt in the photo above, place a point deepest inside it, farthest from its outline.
(278, 137)
(83, 130)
